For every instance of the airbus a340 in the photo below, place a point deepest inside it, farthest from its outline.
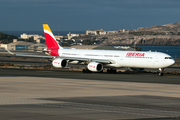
(96, 60)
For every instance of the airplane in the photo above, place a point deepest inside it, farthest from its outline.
(97, 60)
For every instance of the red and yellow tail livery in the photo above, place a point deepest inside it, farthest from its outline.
(51, 42)
(50, 39)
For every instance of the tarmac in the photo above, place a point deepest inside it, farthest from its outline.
(28, 94)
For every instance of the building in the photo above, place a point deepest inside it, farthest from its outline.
(70, 36)
(58, 37)
(25, 36)
(95, 32)
(19, 45)
(40, 40)
(37, 38)
(3, 46)
(112, 32)
(37, 47)
(92, 32)
(102, 32)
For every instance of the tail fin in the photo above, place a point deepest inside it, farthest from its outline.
(50, 39)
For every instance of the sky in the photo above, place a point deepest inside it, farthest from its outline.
(80, 15)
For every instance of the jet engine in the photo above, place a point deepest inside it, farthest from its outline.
(138, 69)
(95, 67)
(59, 63)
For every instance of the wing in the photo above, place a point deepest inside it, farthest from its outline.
(34, 56)
(67, 58)
(88, 60)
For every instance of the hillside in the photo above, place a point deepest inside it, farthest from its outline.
(5, 38)
(168, 34)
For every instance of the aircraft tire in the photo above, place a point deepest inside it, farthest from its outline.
(161, 74)
(84, 71)
(111, 71)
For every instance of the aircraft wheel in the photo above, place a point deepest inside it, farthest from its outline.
(161, 71)
(111, 71)
(161, 74)
(87, 71)
(84, 71)
(100, 71)
(114, 70)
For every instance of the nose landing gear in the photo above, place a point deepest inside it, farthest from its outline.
(161, 71)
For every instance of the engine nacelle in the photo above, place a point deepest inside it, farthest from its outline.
(95, 67)
(59, 63)
(138, 69)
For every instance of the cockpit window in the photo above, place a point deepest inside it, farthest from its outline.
(167, 58)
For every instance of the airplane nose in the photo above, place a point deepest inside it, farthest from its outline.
(172, 61)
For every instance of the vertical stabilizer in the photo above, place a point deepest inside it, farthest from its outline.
(50, 39)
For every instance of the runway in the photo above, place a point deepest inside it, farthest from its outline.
(44, 98)
(54, 94)
(127, 77)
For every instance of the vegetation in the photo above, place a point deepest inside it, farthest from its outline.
(6, 39)
(31, 39)
(66, 43)
(137, 48)
(104, 38)
(146, 33)
(90, 42)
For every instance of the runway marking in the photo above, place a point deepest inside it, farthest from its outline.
(116, 111)
(102, 108)
(121, 107)
(87, 85)
(173, 76)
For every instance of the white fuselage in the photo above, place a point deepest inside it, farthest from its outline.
(133, 59)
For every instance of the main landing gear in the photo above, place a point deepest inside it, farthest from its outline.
(161, 71)
(112, 70)
(88, 71)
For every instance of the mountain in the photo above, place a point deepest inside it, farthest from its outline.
(168, 34)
